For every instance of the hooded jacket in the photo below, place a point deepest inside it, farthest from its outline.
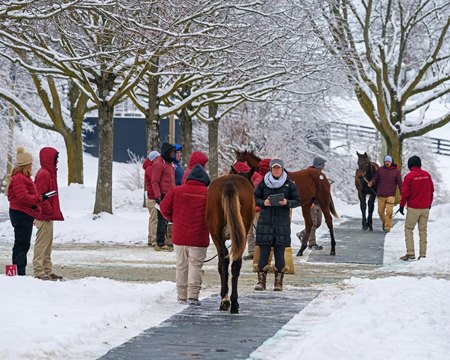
(185, 206)
(418, 189)
(46, 180)
(148, 166)
(163, 173)
(197, 158)
(23, 195)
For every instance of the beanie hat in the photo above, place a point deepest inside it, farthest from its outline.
(278, 162)
(241, 167)
(318, 162)
(153, 155)
(178, 147)
(23, 158)
(388, 158)
(264, 166)
(414, 161)
(198, 173)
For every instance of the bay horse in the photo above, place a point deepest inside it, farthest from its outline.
(366, 170)
(248, 157)
(229, 214)
(312, 185)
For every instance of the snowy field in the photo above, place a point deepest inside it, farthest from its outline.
(396, 317)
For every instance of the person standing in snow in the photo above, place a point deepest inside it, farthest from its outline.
(150, 199)
(418, 191)
(46, 181)
(185, 206)
(197, 157)
(24, 205)
(179, 171)
(386, 179)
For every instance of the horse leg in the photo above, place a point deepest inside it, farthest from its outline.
(362, 205)
(306, 211)
(235, 271)
(223, 263)
(329, 222)
(371, 206)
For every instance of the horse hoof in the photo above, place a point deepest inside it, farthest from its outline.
(224, 305)
(300, 253)
(370, 228)
(234, 309)
(332, 252)
(364, 228)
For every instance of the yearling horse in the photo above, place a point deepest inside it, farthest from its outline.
(229, 214)
(248, 157)
(312, 185)
(366, 170)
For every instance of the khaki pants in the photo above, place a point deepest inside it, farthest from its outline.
(152, 221)
(413, 217)
(42, 263)
(385, 210)
(251, 235)
(189, 272)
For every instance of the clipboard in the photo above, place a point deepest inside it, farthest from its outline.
(275, 198)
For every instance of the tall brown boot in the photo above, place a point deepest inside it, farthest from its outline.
(262, 277)
(278, 285)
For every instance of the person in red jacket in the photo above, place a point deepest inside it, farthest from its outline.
(46, 181)
(150, 199)
(185, 206)
(386, 180)
(163, 180)
(417, 193)
(197, 158)
(24, 205)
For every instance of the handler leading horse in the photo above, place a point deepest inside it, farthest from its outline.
(229, 214)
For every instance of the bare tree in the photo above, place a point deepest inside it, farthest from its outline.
(396, 56)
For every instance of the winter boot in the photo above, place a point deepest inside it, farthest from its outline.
(278, 285)
(262, 277)
(408, 257)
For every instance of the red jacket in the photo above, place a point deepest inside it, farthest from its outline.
(197, 157)
(386, 181)
(417, 189)
(23, 196)
(185, 206)
(163, 177)
(148, 165)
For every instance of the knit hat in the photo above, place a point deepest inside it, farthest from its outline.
(278, 162)
(198, 173)
(414, 161)
(318, 162)
(153, 155)
(388, 158)
(23, 158)
(241, 167)
(264, 166)
(178, 147)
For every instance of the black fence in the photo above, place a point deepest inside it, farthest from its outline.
(347, 131)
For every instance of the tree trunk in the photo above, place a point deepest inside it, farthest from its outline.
(394, 147)
(186, 134)
(10, 147)
(103, 194)
(213, 141)
(74, 147)
(152, 115)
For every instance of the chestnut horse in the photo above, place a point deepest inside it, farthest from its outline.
(312, 185)
(229, 214)
(366, 170)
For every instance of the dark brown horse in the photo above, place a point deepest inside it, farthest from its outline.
(229, 215)
(366, 170)
(312, 185)
(248, 157)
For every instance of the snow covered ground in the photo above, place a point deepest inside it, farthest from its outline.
(403, 316)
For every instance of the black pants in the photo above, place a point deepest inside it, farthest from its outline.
(278, 253)
(161, 228)
(23, 227)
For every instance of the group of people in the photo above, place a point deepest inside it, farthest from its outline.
(34, 203)
(416, 193)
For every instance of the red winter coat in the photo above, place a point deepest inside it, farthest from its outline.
(185, 206)
(197, 157)
(23, 195)
(163, 177)
(46, 180)
(148, 166)
(417, 189)
(386, 181)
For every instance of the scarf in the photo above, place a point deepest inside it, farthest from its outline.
(273, 183)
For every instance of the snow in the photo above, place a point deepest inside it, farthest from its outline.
(401, 312)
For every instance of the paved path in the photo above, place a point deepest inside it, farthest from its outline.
(206, 333)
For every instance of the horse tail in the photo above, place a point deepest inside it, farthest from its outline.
(332, 208)
(232, 211)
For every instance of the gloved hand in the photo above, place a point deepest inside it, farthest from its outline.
(158, 200)
(401, 210)
(44, 196)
